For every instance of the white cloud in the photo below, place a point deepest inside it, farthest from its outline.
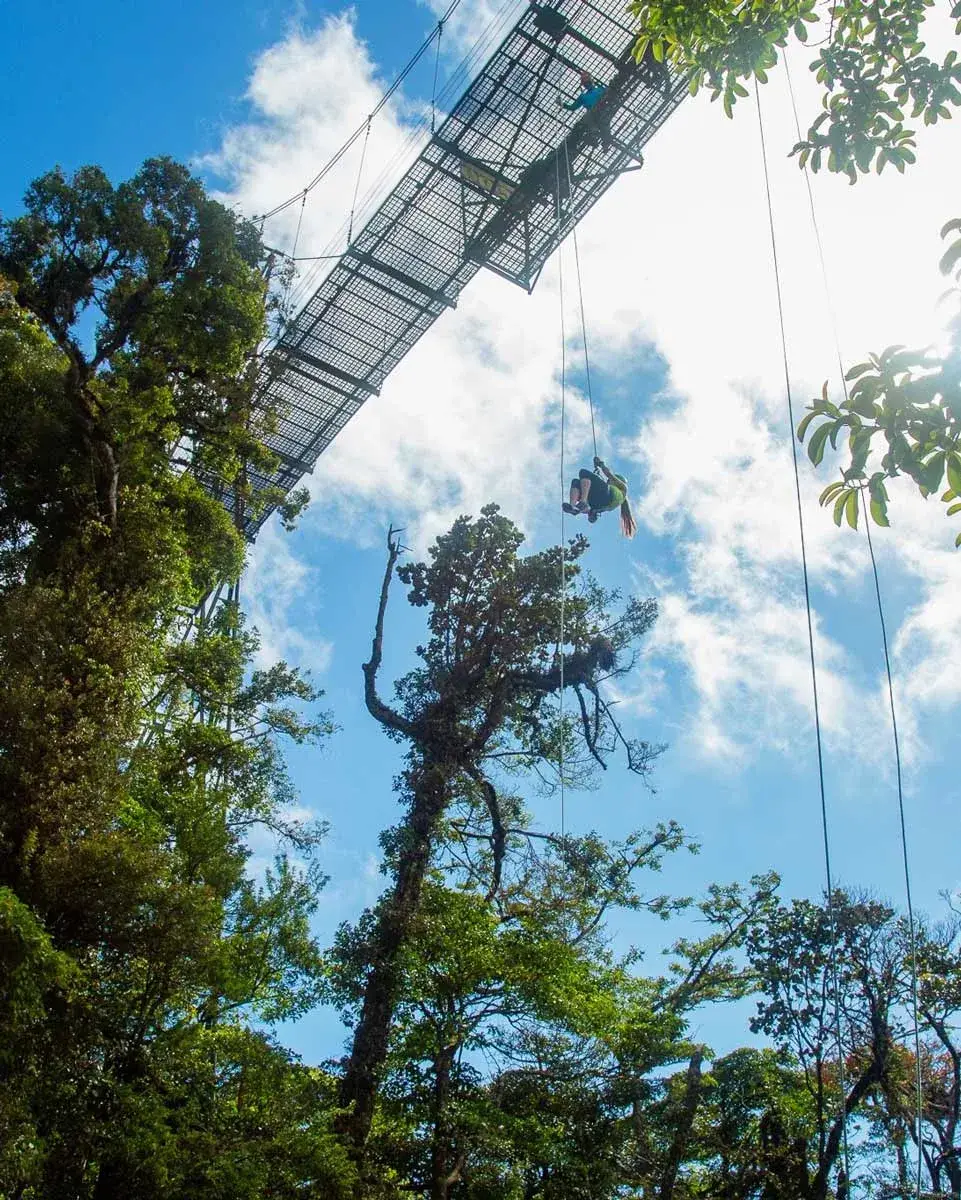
(678, 257)
(276, 583)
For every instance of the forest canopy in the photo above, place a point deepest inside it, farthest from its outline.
(501, 1041)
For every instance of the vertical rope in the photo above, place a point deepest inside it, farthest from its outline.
(360, 172)
(293, 256)
(433, 95)
(832, 920)
(912, 935)
(560, 274)
(580, 292)
(919, 1087)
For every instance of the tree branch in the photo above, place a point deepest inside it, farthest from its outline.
(498, 837)
(375, 706)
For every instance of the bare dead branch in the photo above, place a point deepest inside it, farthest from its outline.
(590, 735)
(375, 706)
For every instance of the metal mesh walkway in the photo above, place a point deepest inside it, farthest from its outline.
(483, 192)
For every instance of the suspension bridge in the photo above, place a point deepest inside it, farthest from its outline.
(503, 180)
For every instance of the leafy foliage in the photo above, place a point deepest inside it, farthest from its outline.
(908, 400)
(136, 944)
(872, 66)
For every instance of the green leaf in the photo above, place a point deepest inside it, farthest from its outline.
(932, 472)
(879, 513)
(950, 259)
(818, 442)
(805, 422)
(957, 541)
(830, 492)
(955, 508)
(839, 508)
(851, 509)
(953, 464)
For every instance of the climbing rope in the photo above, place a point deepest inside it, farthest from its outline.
(912, 935)
(832, 919)
(580, 292)
(560, 275)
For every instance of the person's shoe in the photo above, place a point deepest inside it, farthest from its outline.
(569, 508)
(583, 506)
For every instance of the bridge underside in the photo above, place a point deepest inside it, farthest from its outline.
(505, 178)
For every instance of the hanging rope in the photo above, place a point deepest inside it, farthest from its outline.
(433, 94)
(580, 292)
(832, 921)
(918, 1082)
(560, 275)
(360, 172)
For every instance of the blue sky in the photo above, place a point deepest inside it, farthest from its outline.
(690, 403)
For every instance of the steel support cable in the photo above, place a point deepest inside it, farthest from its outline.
(912, 928)
(450, 90)
(433, 91)
(560, 276)
(359, 131)
(293, 258)
(580, 292)
(832, 917)
(360, 172)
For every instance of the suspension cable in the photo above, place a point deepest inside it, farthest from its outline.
(359, 131)
(580, 292)
(360, 172)
(912, 929)
(560, 275)
(433, 92)
(832, 921)
(447, 94)
(293, 257)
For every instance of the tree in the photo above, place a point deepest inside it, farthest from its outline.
(133, 762)
(876, 77)
(910, 401)
(483, 979)
(486, 692)
(833, 977)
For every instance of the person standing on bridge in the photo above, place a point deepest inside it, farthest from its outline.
(593, 99)
(593, 92)
(594, 495)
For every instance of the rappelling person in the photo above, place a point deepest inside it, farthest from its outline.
(594, 495)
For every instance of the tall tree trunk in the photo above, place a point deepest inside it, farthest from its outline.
(444, 1173)
(358, 1089)
(682, 1133)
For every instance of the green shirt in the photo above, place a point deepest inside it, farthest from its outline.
(618, 493)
